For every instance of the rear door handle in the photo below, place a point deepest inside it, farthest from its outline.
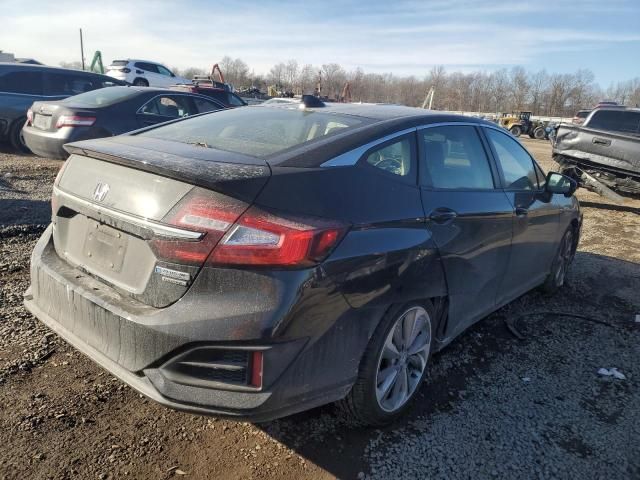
(601, 141)
(521, 212)
(442, 215)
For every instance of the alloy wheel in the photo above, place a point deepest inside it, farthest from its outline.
(564, 259)
(403, 359)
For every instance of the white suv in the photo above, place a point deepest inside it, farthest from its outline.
(143, 73)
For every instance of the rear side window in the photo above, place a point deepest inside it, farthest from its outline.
(61, 83)
(454, 158)
(22, 81)
(516, 164)
(148, 67)
(394, 158)
(616, 121)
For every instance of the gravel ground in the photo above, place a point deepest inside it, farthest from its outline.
(493, 406)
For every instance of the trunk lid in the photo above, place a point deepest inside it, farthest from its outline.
(114, 203)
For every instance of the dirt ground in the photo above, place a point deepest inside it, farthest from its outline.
(493, 406)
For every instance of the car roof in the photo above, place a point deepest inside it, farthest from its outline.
(45, 67)
(384, 112)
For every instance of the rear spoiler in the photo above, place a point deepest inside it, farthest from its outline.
(240, 176)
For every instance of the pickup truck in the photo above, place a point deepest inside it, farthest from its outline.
(605, 149)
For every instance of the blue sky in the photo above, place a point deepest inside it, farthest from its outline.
(403, 36)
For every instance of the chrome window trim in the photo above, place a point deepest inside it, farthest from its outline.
(352, 156)
(159, 229)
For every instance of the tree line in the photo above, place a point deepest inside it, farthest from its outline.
(504, 90)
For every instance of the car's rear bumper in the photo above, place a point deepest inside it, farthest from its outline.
(45, 144)
(306, 365)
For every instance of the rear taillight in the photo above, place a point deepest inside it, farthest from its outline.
(29, 117)
(203, 211)
(262, 238)
(74, 121)
(126, 70)
(234, 234)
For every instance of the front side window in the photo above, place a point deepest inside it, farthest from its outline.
(25, 82)
(203, 105)
(394, 158)
(164, 71)
(454, 158)
(517, 165)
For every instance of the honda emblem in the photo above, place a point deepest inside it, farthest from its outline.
(100, 191)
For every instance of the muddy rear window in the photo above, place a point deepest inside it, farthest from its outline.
(102, 97)
(256, 131)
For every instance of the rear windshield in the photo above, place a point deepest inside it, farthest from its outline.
(119, 63)
(256, 131)
(583, 113)
(102, 97)
(616, 121)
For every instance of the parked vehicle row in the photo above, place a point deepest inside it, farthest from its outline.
(104, 113)
(260, 261)
(21, 85)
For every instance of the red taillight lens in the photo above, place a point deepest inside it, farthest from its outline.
(74, 121)
(261, 238)
(126, 70)
(203, 211)
(29, 117)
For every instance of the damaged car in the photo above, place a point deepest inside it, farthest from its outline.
(260, 261)
(604, 152)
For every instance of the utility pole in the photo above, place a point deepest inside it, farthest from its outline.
(81, 49)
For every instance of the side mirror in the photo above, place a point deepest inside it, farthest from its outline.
(558, 183)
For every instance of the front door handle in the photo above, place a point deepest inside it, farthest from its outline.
(521, 212)
(601, 141)
(442, 215)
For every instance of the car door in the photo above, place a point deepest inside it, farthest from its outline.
(535, 220)
(151, 74)
(163, 108)
(165, 76)
(469, 217)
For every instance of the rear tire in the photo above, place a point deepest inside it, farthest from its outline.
(15, 136)
(516, 130)
(561, 262)
(140, 82)
(393, 366)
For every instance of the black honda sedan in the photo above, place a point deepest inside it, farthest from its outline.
(261, 261)
(104, 113)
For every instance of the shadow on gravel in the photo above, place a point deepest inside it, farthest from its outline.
(598, 287)
(24, 212)
(609, 206)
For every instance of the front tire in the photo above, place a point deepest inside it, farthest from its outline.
(516, 130)
(564, 256)
(539, 133)
(393, 366)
